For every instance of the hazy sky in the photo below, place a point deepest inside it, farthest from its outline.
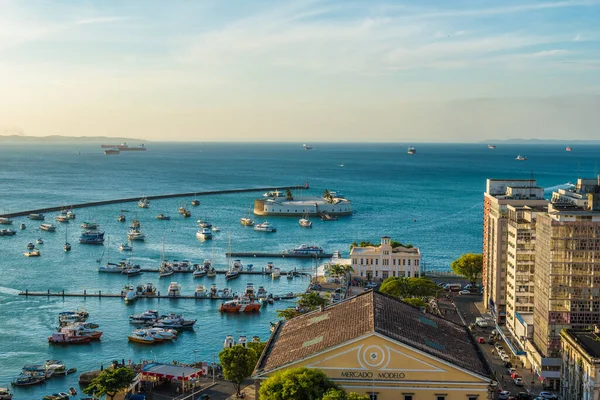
(406, 71)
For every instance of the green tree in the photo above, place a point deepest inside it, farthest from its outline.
(469, 265)
(356, 396)
(110, 382)
(288, 313)
(422, 287)
(288, 195)
(258, 347)
(339, 394)
(414, 301)
(395, 287)
(339, 270)
(404, 288)
(298, 384)
(237, 362)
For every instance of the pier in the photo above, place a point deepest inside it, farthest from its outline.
(305, 272)
(155, 197)
(99, 295)
(278, 255)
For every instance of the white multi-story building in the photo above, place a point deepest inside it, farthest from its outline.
(376, 263)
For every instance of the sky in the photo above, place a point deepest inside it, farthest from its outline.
(305, 71)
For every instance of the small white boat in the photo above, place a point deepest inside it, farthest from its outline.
(67, 246)
(144, 202)
(36, 217)
(568, 148)
(30, 246)
(305, 223)
(5, 221)
(136, 235)
(200, 290)
(165, 271)
(39, 241)
(195, 202)
(22, 226)
(32, 253)
(125, 247)
(174, 289)
(48, 227)
(247, 221)
(290, 275)
(307, 147)
(491, 146)
(89, 225)
(71, 215)
(520, 158)
(165, 334)
(5, 394)
(216, 229)
(62, 218)
(204, 234)
(211, 273)
(130, 294)
(411, 150)
(276, 274)
(199, 273)
(265, 227)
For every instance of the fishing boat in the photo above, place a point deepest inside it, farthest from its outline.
(147, 317)
(174, 289)
(78, 329)
(89, 225)
(22, 226)
(5, 221)
(125, 247)
(144, 202)
(211, 273)
(69, 337)
(48, 227)
(520, 158)
(141, 336)
(62, 218)
(265, 227)
(491, 146)
(247, 221)
(92, 237)
(204, 234)
(30, 246)
(195, 202)
(568, 148)
(276, 274)
(40, 241)
(411, 150)
(163, 217)
(243, 305)
(26, 379)
(36, 217)
(307, 146)
(5, 394)
(7, 232)
(32, 253)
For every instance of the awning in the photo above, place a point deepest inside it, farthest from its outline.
(170, 371)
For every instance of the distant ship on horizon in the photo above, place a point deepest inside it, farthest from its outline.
(124, 147)
(307, 147)
(491, 146)
(411, 150)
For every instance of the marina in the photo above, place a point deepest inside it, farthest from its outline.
(100, 295)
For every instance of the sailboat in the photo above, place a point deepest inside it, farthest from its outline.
(233, 272)
(164, 269)
(130, 269)
(67, 245)
(109, 267)
(304, 221)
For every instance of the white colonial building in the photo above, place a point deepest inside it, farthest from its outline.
(376, 263)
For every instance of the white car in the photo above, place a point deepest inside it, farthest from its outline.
(547, 395)
(518, 381)
(505, 358)
(464, 292)
(503, 395)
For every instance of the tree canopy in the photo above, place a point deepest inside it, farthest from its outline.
(339, 269)
(303, 384)
(110, 382)
(237, 362)
(393, 243)
(306, 302)
(469, 265)
(404, 288)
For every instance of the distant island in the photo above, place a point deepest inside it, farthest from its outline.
(541, 141)
(65, 139)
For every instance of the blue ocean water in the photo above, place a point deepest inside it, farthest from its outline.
(432, 200)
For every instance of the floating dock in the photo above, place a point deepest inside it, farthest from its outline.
(155, 197)
(224, 271)
(101, 295)
(278, 255)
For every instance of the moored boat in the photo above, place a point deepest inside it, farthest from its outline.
(89, 225)
(32, 253)
(276, 273)
(244, 305)
(62, 218)
(5, 221)
(211, 273)
(7, 232)
(163, 217)
(247, 221)
(142, 336)
(204, 234)
(22, 226)
(72, 337)
(411, 150)
(92, 237)
(5, 394)
(305, 223)
(125, 247)
(305, 249)
(195, 202)
(520, 158)
(200, 290)
(144, 202)
(48, 227)
(265, 227)
(174, 289)
(26, 379)
(36, 217)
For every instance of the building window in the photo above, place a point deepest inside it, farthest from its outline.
(394, 261)
(394, 273)
(408, 274)
(409, 261)
(408, 397)
(440, 397)
(376, 272)
(471, 397)
(376, 261)
(373, 396)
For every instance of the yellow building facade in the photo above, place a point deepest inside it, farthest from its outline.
(377, 363)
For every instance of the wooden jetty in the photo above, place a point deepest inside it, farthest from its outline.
(99, 294)
(306, 272)
(278, 255)
(155, 197)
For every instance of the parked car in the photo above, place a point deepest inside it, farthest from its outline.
(463, 292)
(452, 287)
(548, 395)
(481, 322)
(371, 285)
(523, 396)
(518, 381)
(503, 395)
(491, 341)
(515, 375)
(481, 340)
(511, 370)
(505, 358)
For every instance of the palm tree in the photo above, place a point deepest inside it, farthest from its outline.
(341, 270)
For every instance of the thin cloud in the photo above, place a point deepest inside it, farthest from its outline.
(100, 20)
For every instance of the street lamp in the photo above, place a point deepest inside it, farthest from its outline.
(195, 351)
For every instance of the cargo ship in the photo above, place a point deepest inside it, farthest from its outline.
(124, 147)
